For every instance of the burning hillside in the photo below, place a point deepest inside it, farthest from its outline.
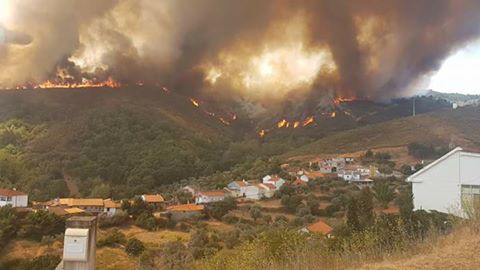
(265, 53)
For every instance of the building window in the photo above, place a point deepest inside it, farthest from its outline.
(9, 199)
(470, 196)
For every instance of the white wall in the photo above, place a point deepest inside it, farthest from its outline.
(17, 201)
(438, 188)
(20, 201)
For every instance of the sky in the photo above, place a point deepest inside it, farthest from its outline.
(460, 73)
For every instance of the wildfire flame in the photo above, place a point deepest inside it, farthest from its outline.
(340, 100)
(262, 133)
(308, 121)
(110, 83)
(282, 123)
(296, 124)
(194, 102)
(224, 121)
(333, 115)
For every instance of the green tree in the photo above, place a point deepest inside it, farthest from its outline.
(313, 204)
(406, 169)
(219, 209)
(8, 224)
(134, 247)
(383, 193)
(405, 203)
(291, 202)
(146, 221)
(40, 223)
(255, 212)
(183, 196)
(353, 221)
(365, 208)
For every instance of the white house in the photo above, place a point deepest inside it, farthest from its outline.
(111, 207)
(13, 198)
(448, 184)
(209, 196)
(274, 180)
(349, 175)
(253, 192)
(267, 190)
(238, 188)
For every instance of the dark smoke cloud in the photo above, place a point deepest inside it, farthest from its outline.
(381, 49)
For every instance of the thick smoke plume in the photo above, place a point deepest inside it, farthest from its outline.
(251, 50)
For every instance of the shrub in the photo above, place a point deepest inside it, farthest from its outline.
(113, 221)
(230, 219)
(40, 223)
(134, 247)
(175, 256)
(291, 202)
(218, 209)
(146, 221)
(112, 238)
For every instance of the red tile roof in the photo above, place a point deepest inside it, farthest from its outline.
(391, 211)
(270, 186)
(109, 203)
(241, 183)
(157, 198)
(10, 193)
(320, 227)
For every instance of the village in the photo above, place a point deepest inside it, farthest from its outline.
(315, 197)
(266, 193)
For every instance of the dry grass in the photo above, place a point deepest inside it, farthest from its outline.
(18, 249)
(457, 251)
(114, 259)
(155, 238)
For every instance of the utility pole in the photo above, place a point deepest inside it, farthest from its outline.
(414, 107)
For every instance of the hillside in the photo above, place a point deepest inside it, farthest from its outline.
(107, 141)
(459, 127)
(127, 141)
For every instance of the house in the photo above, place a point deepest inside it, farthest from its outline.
(451, 184)
(274, 180)
(190, 190)
(304, 178)
(210, 196)
(331, 165)
(185, 211)
(111, 208)
(254, 192)
(350, 175)
(92, 206)
(266, 190)
(319, 227)
(349, 160)
(60, 211)
(238, 188)
(155, 200)
(13, 198)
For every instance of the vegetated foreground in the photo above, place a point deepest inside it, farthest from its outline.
(457, 251)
